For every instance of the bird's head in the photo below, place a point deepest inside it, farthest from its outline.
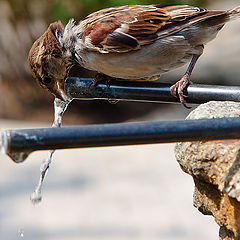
(47, 62)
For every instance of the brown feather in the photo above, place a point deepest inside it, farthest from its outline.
(145, 24)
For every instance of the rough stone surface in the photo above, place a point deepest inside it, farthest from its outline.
(215, 168)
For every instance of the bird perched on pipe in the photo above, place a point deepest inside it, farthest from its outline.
(136, 42)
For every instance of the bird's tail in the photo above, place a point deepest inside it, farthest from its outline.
(234, 13)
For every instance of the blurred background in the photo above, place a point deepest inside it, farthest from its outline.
(107, 193)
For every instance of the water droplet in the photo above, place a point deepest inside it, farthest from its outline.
(18, 157)
(21, 233)
(36, 197)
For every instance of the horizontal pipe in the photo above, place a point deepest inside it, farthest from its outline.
(78, 88)
(29, 140)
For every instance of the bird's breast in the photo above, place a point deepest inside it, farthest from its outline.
(161, 56)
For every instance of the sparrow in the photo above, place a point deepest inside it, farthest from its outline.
(134, 42)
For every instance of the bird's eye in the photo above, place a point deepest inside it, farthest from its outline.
(46, 80)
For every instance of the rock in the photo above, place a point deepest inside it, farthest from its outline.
(215, 168)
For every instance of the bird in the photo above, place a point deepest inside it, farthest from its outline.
(132, 42)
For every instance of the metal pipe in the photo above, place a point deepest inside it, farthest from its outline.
(78, 88)
(29, 140)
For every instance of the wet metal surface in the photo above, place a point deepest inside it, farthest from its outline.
(28, 140)
(78, 88)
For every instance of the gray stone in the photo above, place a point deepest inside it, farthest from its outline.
(215, 168)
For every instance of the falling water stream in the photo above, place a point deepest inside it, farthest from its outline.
(59, 109)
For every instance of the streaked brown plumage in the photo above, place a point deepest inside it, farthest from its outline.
(128, 42)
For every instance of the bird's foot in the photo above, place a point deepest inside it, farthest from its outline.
(99, 78)
(180, 87)
(94, 82)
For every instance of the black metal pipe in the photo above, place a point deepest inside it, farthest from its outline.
(29, 140)
(78, 88)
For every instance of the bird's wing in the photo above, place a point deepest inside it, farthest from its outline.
(126, 28)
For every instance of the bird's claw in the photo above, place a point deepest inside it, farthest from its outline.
(92, 84)
(180, 87)
(98, 78)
